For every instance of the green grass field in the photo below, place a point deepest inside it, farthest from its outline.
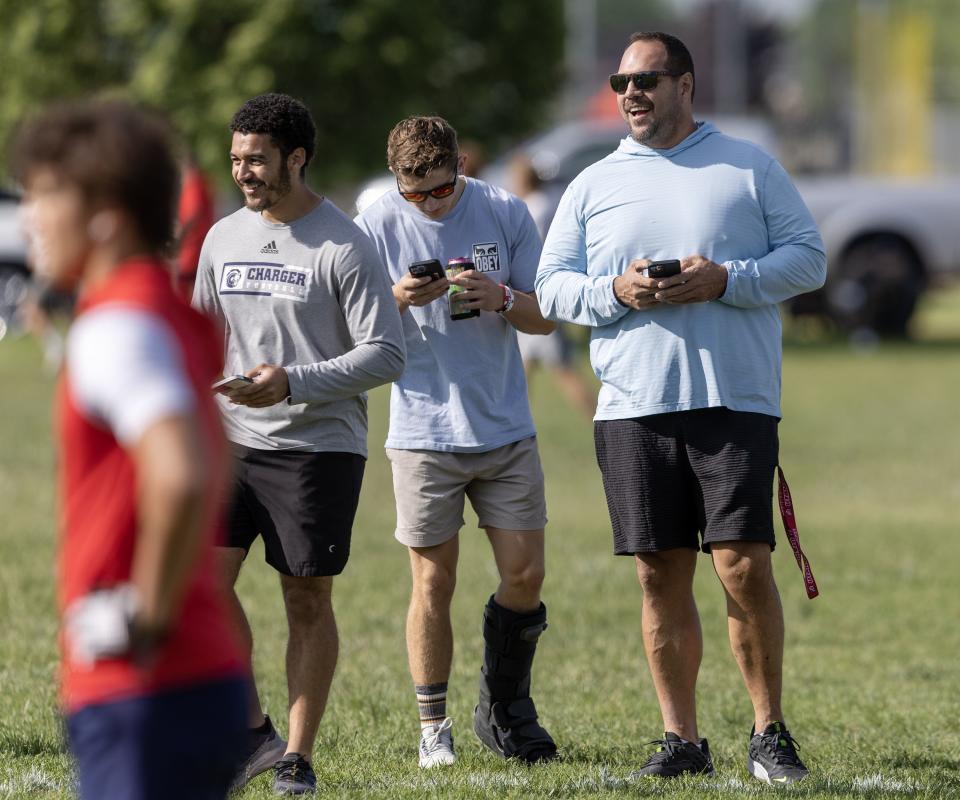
(869, 443)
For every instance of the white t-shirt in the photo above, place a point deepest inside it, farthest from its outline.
(125, 370)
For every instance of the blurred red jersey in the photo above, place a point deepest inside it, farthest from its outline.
(98, 496)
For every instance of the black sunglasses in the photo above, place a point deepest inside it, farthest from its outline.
(439, 192)
(644, 81)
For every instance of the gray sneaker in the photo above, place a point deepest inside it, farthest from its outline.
(773, 756)
(293, 774)
(262, 752)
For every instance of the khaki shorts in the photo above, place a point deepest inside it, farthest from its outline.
(505, 487)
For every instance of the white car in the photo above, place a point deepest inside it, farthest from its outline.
(14, 278)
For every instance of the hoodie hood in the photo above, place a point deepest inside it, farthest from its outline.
(629, 146)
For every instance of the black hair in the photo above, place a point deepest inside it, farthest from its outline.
(678, 56)
(283, 118)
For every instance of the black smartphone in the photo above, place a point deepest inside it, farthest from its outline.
(432, 269)
(663, 269)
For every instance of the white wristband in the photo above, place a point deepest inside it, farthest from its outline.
(508, 299)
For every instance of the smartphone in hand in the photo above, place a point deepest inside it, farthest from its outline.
(231, 382)
(423, 269)
(663, 269)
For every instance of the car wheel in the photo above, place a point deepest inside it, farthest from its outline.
(877, 286)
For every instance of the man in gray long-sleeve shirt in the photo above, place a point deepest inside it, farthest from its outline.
(310, 318)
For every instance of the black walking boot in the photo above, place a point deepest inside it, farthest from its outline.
(506, 718)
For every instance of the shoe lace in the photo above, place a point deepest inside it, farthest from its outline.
(289, 770)
(440, 735)
(782, 747)
(667, 750)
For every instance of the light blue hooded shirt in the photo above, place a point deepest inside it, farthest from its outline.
(710, 195)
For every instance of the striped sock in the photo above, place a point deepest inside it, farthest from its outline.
(431, 702)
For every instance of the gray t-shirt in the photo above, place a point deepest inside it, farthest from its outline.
(463, 389)
(311, 296)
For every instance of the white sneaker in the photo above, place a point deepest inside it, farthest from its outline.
(436, 745)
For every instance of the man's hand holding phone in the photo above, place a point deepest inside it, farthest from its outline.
(694, 279)
(425, 282)
(699, 281)
(268, 386)
(231, 382)
(635, 289)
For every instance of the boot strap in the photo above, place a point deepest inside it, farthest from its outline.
(515, 714)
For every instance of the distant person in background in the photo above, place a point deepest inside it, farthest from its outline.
(153, 681)
(195, 216)
(474, 157)
(38, 312)
(686, 430)
(555, 351)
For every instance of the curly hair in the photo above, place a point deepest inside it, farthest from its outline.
(115, 154)
(419, 145)
(283, 118)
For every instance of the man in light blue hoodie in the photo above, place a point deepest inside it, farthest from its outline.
(686, 424)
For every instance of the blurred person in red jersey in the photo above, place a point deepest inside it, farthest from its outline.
(195, 216)
(153, 683)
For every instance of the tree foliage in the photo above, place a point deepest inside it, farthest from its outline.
(491, 66)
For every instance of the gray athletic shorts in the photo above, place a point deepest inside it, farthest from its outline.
(505, 487)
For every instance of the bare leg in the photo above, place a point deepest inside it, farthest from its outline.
(520, 561)
(312, 649)
(671, 635)
(429, 631)
(755, 623)
(231, 559)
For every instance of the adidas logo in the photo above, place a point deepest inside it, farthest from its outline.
(269, 247)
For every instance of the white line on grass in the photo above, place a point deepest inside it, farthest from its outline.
(34, 779)
(877, 782)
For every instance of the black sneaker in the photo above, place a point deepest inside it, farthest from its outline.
(773, 756)
(262, 752)
(675, 758)
(293, 774)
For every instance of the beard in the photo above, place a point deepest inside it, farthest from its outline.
(273, 192)
(660, 128)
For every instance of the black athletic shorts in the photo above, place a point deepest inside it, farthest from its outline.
(672, 478)
(302, 504)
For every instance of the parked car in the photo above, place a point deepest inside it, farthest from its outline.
(14, 277)
(886, 240)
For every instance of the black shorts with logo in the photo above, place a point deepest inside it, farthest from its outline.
(671, 478)
(302, 504)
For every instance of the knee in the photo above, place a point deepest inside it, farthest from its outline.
(307, 599)
(526, 579)
(660, 577)
(744, 573)
(435, 584)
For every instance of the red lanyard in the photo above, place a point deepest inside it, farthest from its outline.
(790, 526)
